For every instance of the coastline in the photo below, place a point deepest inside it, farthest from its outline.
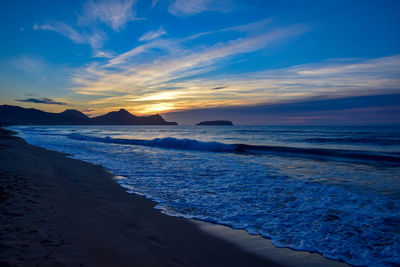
(56, 210)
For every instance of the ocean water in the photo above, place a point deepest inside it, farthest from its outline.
(331, 190)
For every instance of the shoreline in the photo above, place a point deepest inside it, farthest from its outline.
(56, 210)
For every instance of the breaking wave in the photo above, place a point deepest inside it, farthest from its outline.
(168, 142)
(190, 144)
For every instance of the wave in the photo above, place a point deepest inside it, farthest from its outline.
(353, 140)
(325, 153)
(168, 142)
(190, 144)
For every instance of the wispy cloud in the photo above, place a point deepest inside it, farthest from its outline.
(151, 35)
(126, 72)
(340, 78)
(169, 65)
(42, 100)
(38, 77)
(192, 7)
(38, 69)
(253, 27)
(29, 65)
(115, 13)
(154, 3)
(86, 30)
(94, 38)
(103, 54)
(167, 74)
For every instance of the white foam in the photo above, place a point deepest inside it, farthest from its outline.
(168, 142)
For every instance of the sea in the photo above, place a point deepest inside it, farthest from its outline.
(331, 190)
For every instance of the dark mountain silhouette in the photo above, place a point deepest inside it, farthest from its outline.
(215, 123)
(14, 115)
(115, 117)
(74, 113)
(72, 116)
(123, 117)
(18, 115)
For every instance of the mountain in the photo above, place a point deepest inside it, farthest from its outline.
(123, 117)
(74, 113)
(72, 116)
(15, 115)
(120, 117)
(215, 123)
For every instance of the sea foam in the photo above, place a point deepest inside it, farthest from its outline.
(174, 143)
(191, 144)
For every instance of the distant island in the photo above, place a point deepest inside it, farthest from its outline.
(215, 123)
(15, 115)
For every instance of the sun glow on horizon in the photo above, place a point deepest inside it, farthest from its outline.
(150, 57)
(156, 108)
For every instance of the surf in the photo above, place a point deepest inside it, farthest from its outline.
(192, 144)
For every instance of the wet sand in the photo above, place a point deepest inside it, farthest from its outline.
(58, 211)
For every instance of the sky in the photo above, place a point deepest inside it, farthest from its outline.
(301, 62)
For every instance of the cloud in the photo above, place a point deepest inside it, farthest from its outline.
(95, 39)
(218, 88)
(361, 76)
(87, 110)
(192, 7)
(86, 30)
(175, 74)
(151, 35)
(30, 65)
(115, 13)
(42, 100)
(39, 76)
(176, 61)
(252, 27)
(160, 96)
(154, 3)
(103, 54)
(171, 65)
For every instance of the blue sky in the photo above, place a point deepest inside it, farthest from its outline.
(176, 56)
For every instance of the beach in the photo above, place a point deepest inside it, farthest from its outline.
(58, 211)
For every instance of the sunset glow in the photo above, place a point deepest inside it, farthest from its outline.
(167, 56)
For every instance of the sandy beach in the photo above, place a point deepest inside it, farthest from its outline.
(58, 211)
